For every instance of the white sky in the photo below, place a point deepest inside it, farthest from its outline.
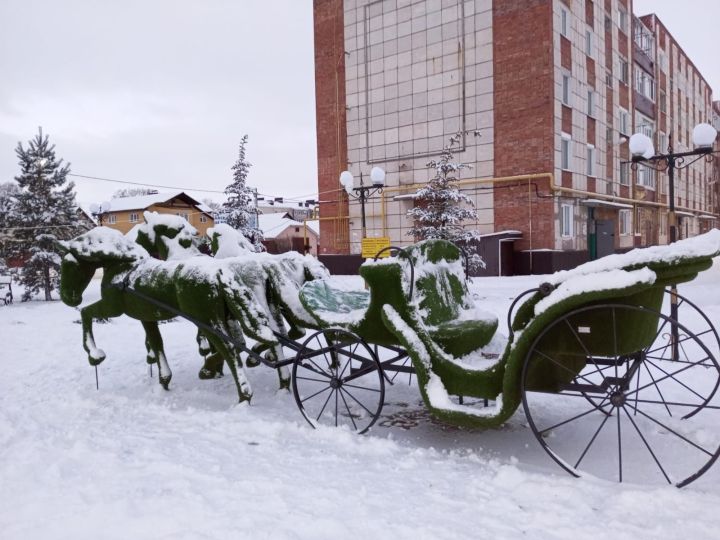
(162, 91)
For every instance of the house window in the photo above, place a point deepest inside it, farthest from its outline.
(134, 218)
(624, 123)
(588, 42)
(623, 20)
(566, 220)
(564, 26)
(565, 152)
(624, 218)
(203, 218)
(624, 175)
(624, 71)
(566, 89)
(662, 143)
(112, 218)
(591, 103)
(590, 160)
(663, 105)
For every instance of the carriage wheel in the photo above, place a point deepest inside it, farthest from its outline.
(337, 380)
(640, 417)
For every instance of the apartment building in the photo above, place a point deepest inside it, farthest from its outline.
(547, 93)
(671, 97)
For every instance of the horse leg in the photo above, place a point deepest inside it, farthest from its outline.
(154, 345)
(212, 365)
(276, 352)
(229, 354)
(99, 310)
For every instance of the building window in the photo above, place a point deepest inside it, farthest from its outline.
(644, 83)
(624, 218)
(565, 152)
(644, 125)
(608, 23)
(112, 218)
(623, 20)
(203, 218)
(588, 42)
(566, 220)
(624, 71)
(646, 177)
(662, 143)
(591, 103)
(624, 175)
(624, 122)
(134, 217)
(590, 169)
(566, 89)
(564, 22)
(663, 104)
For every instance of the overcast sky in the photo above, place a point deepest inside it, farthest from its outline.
(161, 91)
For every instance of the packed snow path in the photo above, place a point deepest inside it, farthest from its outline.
(134, 461)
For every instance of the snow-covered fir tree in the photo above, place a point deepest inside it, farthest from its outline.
(442, 208)
(8, 191)
(240, 207)
(44, 211)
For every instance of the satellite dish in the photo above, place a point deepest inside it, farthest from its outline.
(105, 206)
(94, 209)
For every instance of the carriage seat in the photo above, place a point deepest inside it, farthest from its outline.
(333, 303)
(444, 301)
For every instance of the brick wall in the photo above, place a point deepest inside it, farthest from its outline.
(524, 141)
(330, 120)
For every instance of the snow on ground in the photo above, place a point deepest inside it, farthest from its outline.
(134, 461)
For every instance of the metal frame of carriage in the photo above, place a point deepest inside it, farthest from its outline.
(340, 342)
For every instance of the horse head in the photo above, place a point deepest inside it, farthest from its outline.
(98, 248)
(165, 236)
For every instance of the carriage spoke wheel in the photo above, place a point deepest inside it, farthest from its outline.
(640, 416)
(338, 381)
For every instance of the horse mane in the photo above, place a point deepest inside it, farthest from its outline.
(104, 245)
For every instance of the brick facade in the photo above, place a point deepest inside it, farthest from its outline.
(330, 121)
(524, 141)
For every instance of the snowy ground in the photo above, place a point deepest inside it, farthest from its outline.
(134, 461)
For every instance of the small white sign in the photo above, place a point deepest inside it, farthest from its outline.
(583, 329)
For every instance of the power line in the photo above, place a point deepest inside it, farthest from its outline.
(296, 198)
(143, 184)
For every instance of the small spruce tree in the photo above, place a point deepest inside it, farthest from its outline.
(443, 208)
(240, 206)
(43, 212)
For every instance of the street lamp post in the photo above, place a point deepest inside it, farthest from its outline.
(643, 153)
(363, 192)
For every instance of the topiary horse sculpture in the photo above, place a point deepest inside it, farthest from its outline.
(251, 295)
(200, 287)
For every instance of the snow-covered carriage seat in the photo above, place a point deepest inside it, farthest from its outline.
(433, 286)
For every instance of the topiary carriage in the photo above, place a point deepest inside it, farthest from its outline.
(596, 364)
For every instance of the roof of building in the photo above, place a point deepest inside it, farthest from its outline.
(123, 204)
(272, 225)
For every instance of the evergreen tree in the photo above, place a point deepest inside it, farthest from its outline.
(44, 211)
(443, 208)
(8, 191)
(240, 206)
